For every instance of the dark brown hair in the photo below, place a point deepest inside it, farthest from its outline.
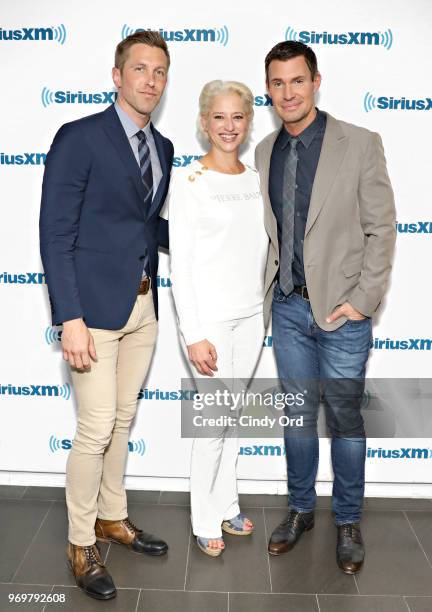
(144, 37)
(287, 50)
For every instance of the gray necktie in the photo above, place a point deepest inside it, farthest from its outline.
(288, 208)
(147, 179)
(145, 167)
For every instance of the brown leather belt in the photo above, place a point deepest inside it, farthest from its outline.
(144, 286)
(302, 290)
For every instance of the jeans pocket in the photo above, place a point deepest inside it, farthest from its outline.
(357, 321)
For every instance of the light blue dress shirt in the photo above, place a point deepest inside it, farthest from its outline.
(131, 129)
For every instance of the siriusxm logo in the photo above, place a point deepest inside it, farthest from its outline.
(212, 35)
(60, 96)
(22, 159)
(158, 394)
(163, 281)
(264, 100)
(56, 444)
(27, 278)
(421, 227)
(181, 161)
(56, 33)
(63, 391)
(409, 344)
(399, 453)
(52, 335)
(137, 446)
(310, 37)
(371, 103)
(263, 451)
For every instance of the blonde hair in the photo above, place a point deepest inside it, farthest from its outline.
(218, 87)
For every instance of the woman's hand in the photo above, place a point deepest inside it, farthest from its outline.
(203, 355)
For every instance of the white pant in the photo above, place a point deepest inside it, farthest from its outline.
(213, 480)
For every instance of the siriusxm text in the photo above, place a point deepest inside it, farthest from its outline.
(32, 390)
(22, 159)
(344, 38)
(159, 394)
(262, 451)
(27, 34)
(81, 97)
(391, 103)
(420, 227)
(26, 278)
(399, 453)
(408, 344)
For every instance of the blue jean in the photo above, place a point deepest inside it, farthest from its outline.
(332, 364)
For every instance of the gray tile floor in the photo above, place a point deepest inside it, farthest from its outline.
(397, 575)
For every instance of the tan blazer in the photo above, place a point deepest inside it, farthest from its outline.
(351, 225)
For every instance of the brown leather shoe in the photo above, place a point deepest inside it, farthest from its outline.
(125, 532)
(350, 550)
(288, 532)
(90, 573)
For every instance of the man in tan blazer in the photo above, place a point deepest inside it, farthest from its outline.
(329, 211)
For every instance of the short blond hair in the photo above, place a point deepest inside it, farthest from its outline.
(218, 87)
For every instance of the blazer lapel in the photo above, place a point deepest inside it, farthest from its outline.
(334, 146)
(269, 218)
(115, 132)
(165, 172)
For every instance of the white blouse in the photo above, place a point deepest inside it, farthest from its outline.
(218, 246)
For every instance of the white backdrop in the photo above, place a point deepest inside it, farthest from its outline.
(375, 68)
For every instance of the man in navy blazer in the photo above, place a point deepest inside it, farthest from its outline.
(106, 179)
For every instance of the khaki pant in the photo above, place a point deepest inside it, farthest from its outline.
(107, 403)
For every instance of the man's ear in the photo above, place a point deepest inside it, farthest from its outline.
(116, 77)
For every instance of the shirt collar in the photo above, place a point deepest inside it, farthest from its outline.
(308, 133)
(129, 126)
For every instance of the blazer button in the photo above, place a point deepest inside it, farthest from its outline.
(276, 262)
(141, 258)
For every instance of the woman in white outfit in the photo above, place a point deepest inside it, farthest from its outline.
(218, 249)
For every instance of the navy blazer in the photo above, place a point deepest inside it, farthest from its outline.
(93, 224)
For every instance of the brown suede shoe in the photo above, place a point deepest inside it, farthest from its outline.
(125, 532)
(90, 573)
